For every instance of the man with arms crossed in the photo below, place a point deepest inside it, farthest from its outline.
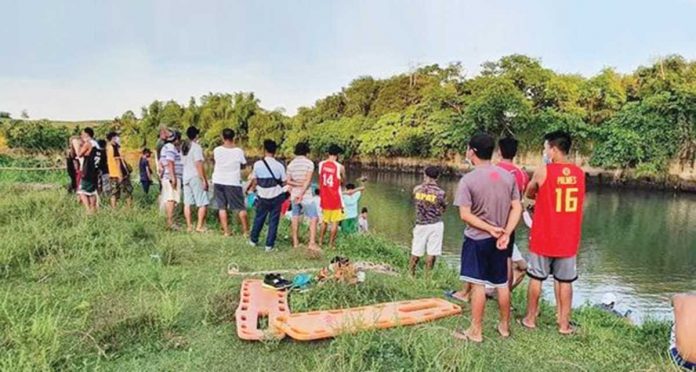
(489, 203)
(559, 190)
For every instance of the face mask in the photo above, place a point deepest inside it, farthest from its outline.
(546, 159)
(117, 140)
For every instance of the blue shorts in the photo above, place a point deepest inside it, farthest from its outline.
(194, 194)
(680, 361)
(305, 208)
(483, 263)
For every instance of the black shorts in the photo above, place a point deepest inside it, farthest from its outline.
(511, 245)
(483, 263)
(229, 197)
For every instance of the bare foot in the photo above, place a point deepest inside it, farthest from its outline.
(504, 330)
(523, 322)
(201, 230)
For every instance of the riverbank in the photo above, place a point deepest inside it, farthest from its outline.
(118, 292)
(680, 177)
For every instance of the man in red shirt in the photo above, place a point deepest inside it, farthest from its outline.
(517, 266)
(559, 190)
(331, 175)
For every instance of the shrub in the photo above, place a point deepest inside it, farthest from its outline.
(35, 135)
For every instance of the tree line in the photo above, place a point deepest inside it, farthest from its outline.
(641, 120)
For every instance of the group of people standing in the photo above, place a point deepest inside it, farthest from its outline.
(271, 188)
(98, 168)
(489, 199)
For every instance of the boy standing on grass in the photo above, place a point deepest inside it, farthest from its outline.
(363, 223)
(558, 189)
(351, 199)
(195, 180)
(428, 233)
(331, 175)
(229, 161)
(489, 203)
(145, 170)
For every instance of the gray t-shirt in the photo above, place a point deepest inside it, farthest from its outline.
(489, 191)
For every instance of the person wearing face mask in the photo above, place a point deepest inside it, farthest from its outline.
(558, 189)
(489, 203)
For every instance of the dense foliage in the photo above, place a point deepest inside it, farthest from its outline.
(639, 120)
(34, 135)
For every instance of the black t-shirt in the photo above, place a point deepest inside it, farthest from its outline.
(91, 164)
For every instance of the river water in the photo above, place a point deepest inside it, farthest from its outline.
(639, 245)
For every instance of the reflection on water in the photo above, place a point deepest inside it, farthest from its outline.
(639, 245)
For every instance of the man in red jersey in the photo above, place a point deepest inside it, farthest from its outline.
(559, 191)
(331, 175)
(517, 266)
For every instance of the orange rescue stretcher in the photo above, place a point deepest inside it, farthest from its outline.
(314, 325)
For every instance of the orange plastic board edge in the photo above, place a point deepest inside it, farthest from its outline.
(317, 325)
(255, 302)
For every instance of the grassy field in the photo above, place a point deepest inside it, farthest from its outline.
(118, 292)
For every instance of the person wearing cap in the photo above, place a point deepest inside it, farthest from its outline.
(430, 203)
(195, 182)
(164, 133)
(118, 170)
(172, 174)
(608, 304)
(489, 203)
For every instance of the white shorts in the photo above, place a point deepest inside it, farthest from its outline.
(516, 254)
(427, 239)
(169, 193)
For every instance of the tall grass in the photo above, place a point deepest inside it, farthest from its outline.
(118, 292)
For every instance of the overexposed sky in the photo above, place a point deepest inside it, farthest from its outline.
(80, 60)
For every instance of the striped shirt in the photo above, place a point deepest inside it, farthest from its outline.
(297, 172)
(266, 185)
(171, 154)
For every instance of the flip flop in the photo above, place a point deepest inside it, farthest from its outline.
(450, 295)
(521, 322)
(463, 336)
(568, 333)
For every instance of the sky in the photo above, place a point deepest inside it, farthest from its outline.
(87, 60)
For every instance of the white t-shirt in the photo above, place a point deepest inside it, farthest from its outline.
(228, 166)
(194, 155)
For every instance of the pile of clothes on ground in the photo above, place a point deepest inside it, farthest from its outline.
(341, 270)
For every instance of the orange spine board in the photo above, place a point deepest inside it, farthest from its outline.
(255, 302)
(317, 325)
